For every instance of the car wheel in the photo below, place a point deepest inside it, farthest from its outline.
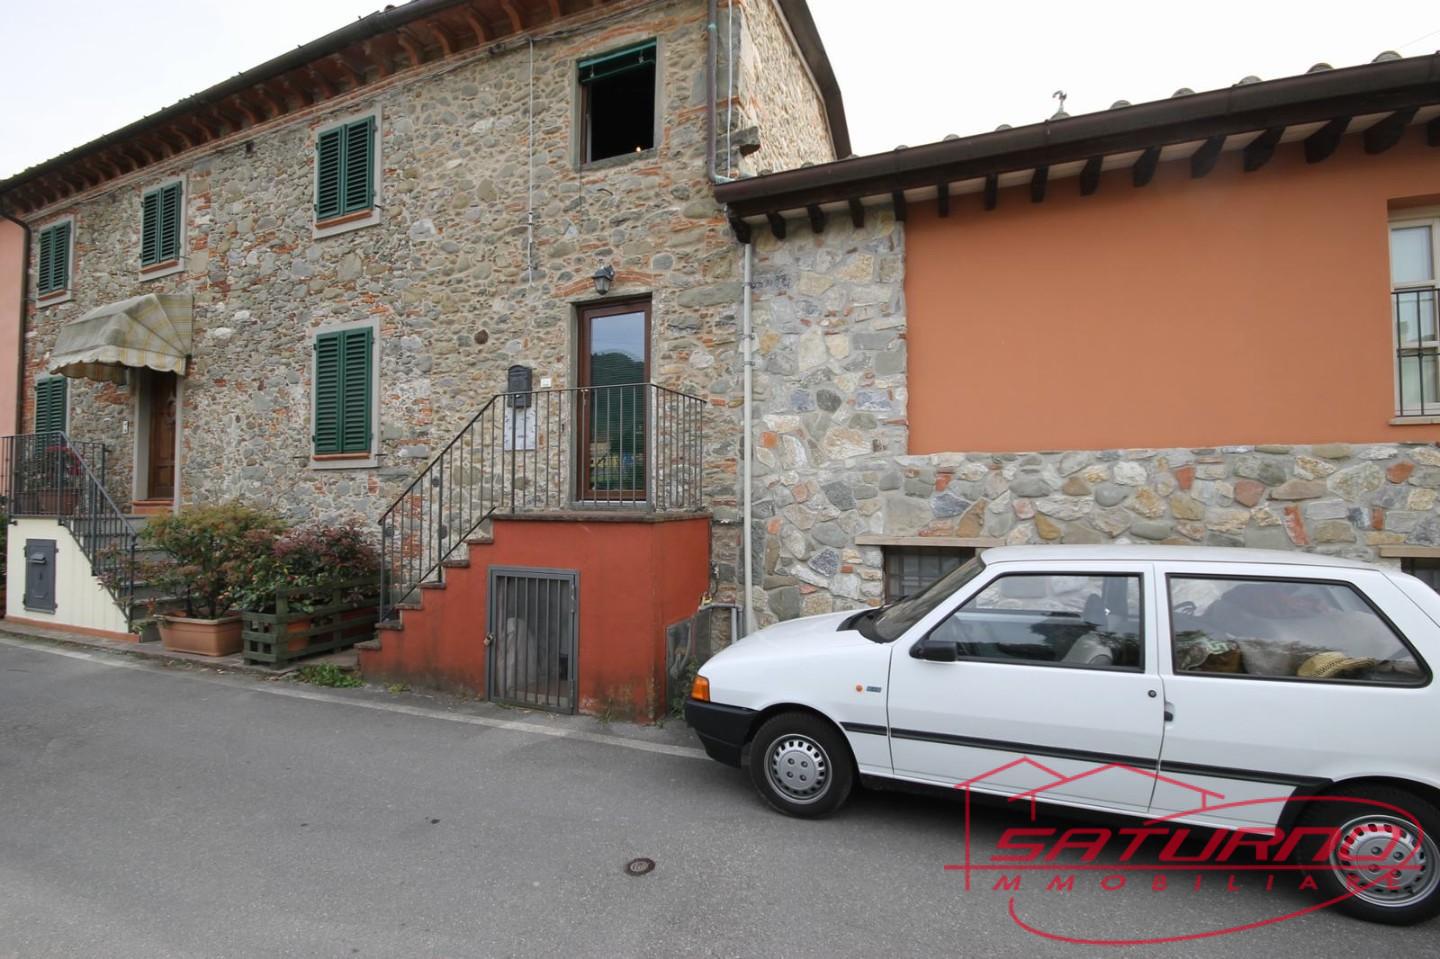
(1389, 868)
(801, 765)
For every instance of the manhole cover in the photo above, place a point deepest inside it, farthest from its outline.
(639, 867)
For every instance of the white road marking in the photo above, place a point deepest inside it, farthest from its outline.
(514, 725)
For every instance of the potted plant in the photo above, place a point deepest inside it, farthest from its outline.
(209, 548)
(307, 565)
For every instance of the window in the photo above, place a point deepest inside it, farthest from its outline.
(160, 212)
(1414, 268)
(617, 103)
(54, 269)
(344, 367)
(1290, 629)
(50, 401)
(909, 569)
(1056, 619)
(1426, 569)
(345, 170)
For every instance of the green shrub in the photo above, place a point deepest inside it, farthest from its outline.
(209, 549)
(327, 674)
(306, 560)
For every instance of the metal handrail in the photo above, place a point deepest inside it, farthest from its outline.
(49, 474)
(632, 445)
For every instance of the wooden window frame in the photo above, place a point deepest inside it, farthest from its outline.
(582, 108)
(584, 313)
(1429, 412)
(358, 217)
(353, 459)
(59, 294)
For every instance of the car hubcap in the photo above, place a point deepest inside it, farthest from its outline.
(799, 769)
(1385, 861)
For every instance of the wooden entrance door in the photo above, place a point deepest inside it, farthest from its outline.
(614, 363)
(160, 479)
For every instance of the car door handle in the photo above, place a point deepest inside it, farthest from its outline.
(1169, 711)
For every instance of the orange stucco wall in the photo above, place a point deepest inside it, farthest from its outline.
(1239, 308)
(635, 578)
(12, 272)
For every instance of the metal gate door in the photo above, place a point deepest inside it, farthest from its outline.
(531, 635)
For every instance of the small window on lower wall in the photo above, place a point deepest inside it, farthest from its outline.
(1426, 569)
(909, 569)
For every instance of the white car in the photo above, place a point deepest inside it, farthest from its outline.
(1219, 687)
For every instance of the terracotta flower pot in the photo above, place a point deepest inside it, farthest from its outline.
(207, 637)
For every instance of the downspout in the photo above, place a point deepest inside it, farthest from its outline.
(747, 509)
(20, 344)
(711, 52)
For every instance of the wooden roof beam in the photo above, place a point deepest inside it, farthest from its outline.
(942, 199)
(857, 213)
(446, 42)
(740, 228)
(817, 218)
(777, 225)
(476, 25)
(1144, 169)
(1203, 160)
(897, 200)
(1038, 181)
(275, 101)
(1090, 175)
(1259, 150)
(555, 10)
(992, 191)
(1325, 140)
(412, 47)
(356, 71)
(317, 77)
(1388, 132)
(516, 22)
(1432, 132)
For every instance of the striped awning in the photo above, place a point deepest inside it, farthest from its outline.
(151, 331)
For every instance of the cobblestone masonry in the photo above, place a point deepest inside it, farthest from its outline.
(832, 463)
(445, 273)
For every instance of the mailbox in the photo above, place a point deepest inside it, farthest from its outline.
(517, 383)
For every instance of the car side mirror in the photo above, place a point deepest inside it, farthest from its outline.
(935, 650)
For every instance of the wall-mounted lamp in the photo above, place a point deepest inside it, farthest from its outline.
(603, 277)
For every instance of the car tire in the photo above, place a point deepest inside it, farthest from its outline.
(801, 765)
(1414, 895)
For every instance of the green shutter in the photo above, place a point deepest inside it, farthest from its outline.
(343, 399)
(617, 62)
(328, 163)
(359, 164)
(170, 222)
(327, 393)
(50, 396)
(355, 392)
(150, 228)
(53, 271)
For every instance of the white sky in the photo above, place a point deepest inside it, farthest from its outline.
(910, 70)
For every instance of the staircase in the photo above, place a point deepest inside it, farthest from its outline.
(637, 446)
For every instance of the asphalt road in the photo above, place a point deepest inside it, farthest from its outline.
(158, 812)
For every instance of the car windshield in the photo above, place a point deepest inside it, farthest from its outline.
(890, 623)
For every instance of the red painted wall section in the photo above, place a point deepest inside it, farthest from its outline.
(12, 278)
(635, 578)
(1237, 308)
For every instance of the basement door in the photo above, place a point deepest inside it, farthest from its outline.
(532, 638)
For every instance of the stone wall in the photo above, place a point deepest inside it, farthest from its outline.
(774, 93)
(832, 462)
(459, 283)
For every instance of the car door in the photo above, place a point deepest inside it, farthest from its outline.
(1279, 678)
(1053, 692)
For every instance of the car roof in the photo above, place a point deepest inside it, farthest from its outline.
(1167, 554)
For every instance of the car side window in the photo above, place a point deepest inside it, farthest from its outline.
(1054, 619)
(1291, 629)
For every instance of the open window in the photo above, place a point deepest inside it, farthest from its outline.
(617, 103)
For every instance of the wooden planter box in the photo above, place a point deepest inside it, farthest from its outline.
(331, 618)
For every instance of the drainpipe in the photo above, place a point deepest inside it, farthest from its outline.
(711, 52)
(747, 341)
(20, 343)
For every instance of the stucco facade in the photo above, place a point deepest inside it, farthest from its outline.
(488, 232)
(1203, 361)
